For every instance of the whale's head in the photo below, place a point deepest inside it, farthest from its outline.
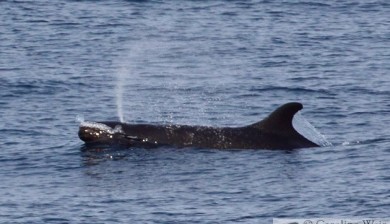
(95, 133)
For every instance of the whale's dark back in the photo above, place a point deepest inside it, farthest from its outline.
(274, 132)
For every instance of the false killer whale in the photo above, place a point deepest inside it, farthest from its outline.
(274, 132)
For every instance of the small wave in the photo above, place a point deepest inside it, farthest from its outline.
(309, 4)
(290, 89)
(7, 69)
(350, 143)
(37, 21)
(368, 141)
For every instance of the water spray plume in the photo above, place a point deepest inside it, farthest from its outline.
(119, 93)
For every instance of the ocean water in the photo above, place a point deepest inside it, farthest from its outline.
(220, 63)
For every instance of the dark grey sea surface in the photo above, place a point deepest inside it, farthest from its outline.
(219, 63)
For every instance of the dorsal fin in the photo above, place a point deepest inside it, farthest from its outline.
(280, 121)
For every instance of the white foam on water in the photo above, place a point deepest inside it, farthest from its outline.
(103, 127)
(309, 131)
